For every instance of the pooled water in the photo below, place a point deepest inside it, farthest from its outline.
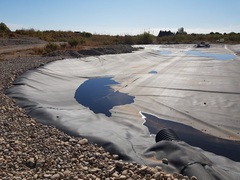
(212, 55)
(99, 97)
(165, 52)
(152, 72)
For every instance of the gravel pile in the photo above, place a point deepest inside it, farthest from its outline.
(115, 49)
(30, 150)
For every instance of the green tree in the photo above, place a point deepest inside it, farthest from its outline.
(145, 38)
(4, 28)
(181, 31)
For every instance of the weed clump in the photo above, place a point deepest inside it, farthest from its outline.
(145, 38)
(75, 42)
(50, 47)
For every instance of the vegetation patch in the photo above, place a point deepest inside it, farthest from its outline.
(76, 40)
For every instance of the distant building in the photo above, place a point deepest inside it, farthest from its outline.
(165, 33)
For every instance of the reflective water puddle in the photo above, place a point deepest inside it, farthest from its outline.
(99, 97)
(152, 72)
(212, 55)
(165, 52)
(194, 137)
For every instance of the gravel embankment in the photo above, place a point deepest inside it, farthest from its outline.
(30, 150)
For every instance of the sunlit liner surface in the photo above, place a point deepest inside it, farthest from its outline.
(99, 97)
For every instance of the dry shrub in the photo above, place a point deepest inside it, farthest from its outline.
(38, 51)
(50, 47)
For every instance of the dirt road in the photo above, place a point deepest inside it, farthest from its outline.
(12, 48)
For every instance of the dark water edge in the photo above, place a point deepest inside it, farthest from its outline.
(99, 97)
(194, 137)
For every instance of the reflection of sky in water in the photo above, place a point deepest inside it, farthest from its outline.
(194, 137)
(212, 55)
(98, 96)
(165, 52)
(152, 72)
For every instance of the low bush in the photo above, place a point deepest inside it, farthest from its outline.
(75, 42)
(51, 47)
(128, 40)
(145, 38)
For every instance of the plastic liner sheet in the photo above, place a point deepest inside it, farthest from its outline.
(197, 91)
(192, 161)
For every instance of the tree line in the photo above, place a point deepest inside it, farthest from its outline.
(86, 38)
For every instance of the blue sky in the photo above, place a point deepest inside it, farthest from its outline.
(122, 16)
